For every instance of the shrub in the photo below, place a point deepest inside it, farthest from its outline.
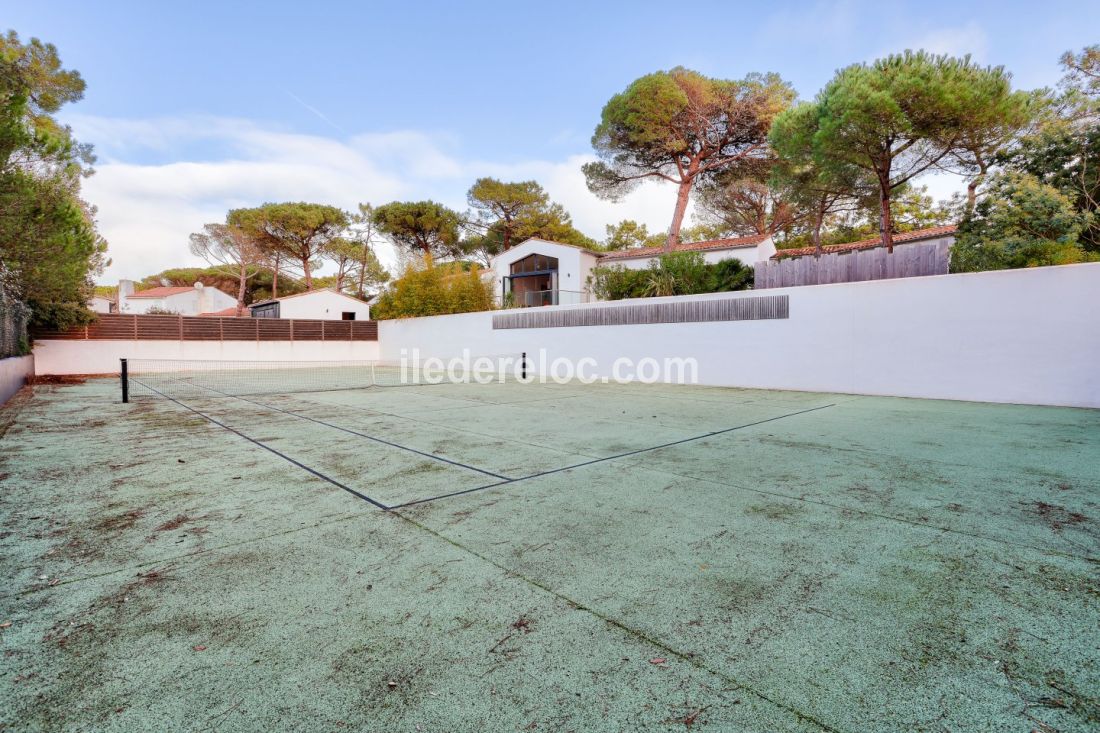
(428, 289)
(676, 273)
(1021, 222)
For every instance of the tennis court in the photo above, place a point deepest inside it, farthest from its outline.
(244, 551)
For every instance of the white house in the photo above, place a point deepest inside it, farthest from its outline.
(541, 272)
(324, 305)
(186, 301)
(101, 304)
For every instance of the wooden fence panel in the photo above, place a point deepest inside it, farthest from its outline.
(201, 329)
(309, 331)
(275, 329)
(364, 330)
(337, 330)
(736, 308)
(910, 260)
(145, 327)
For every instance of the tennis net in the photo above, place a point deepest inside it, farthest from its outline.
(183, 378)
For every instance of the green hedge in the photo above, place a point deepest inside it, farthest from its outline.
(676, 273)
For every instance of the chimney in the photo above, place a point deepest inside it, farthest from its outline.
(125, 290)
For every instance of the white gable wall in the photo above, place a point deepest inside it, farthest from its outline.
(325, 305)
(574, 264)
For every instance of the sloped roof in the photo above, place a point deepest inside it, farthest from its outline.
(230, 312)
(707, 245)
(160, 292)
(920, 234)
(334, 291)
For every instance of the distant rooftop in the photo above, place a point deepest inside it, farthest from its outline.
(161, 292)
(710, 244)
(903, 238)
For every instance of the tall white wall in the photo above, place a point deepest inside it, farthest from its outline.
(102, 356)
(13, 375)
(1024, 336)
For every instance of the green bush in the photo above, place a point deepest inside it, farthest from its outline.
(1021, 222)
(676, 273)
(428, 289)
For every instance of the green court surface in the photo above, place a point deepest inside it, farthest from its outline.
(513, 557)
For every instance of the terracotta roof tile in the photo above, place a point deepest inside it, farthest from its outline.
(160, 292)
(230, 312)
(710, 244)
(309, 292)
(916, 236)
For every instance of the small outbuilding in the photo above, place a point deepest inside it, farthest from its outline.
(324, 305)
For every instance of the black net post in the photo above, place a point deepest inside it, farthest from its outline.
(124, 377)
(523, 367)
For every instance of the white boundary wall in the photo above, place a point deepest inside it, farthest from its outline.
(100, 356)
(1023, 336)
(13, 375)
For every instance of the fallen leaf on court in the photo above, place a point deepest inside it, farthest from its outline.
(199, 648)
(659, 661)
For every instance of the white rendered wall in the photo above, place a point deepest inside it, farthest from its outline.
(13, 375)
(102, 356)
(324, 305)
(1023, 336)
(574, 264)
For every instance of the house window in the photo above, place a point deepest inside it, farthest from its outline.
(534, 263)
(267, 310)
(347, 316)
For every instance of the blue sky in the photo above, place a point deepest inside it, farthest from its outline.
(195, 107)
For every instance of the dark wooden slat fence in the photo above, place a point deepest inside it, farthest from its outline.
(908, 260)
(734, 308)
(192, 328)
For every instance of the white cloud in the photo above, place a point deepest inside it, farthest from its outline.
(970, 38)
(153, 188)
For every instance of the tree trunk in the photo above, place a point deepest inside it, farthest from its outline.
(682, 197)
(307, 274)
(241, 289)
(362, 274)
(886, 223)
(507, 243)
(972, 188)
(275, 279)
(819, 220)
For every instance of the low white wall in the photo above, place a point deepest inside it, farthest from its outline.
(13, 375)
(102, 356)
(1023, 336)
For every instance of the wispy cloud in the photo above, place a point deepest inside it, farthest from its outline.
(960, 40)
(158, 180)
(321, 115)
